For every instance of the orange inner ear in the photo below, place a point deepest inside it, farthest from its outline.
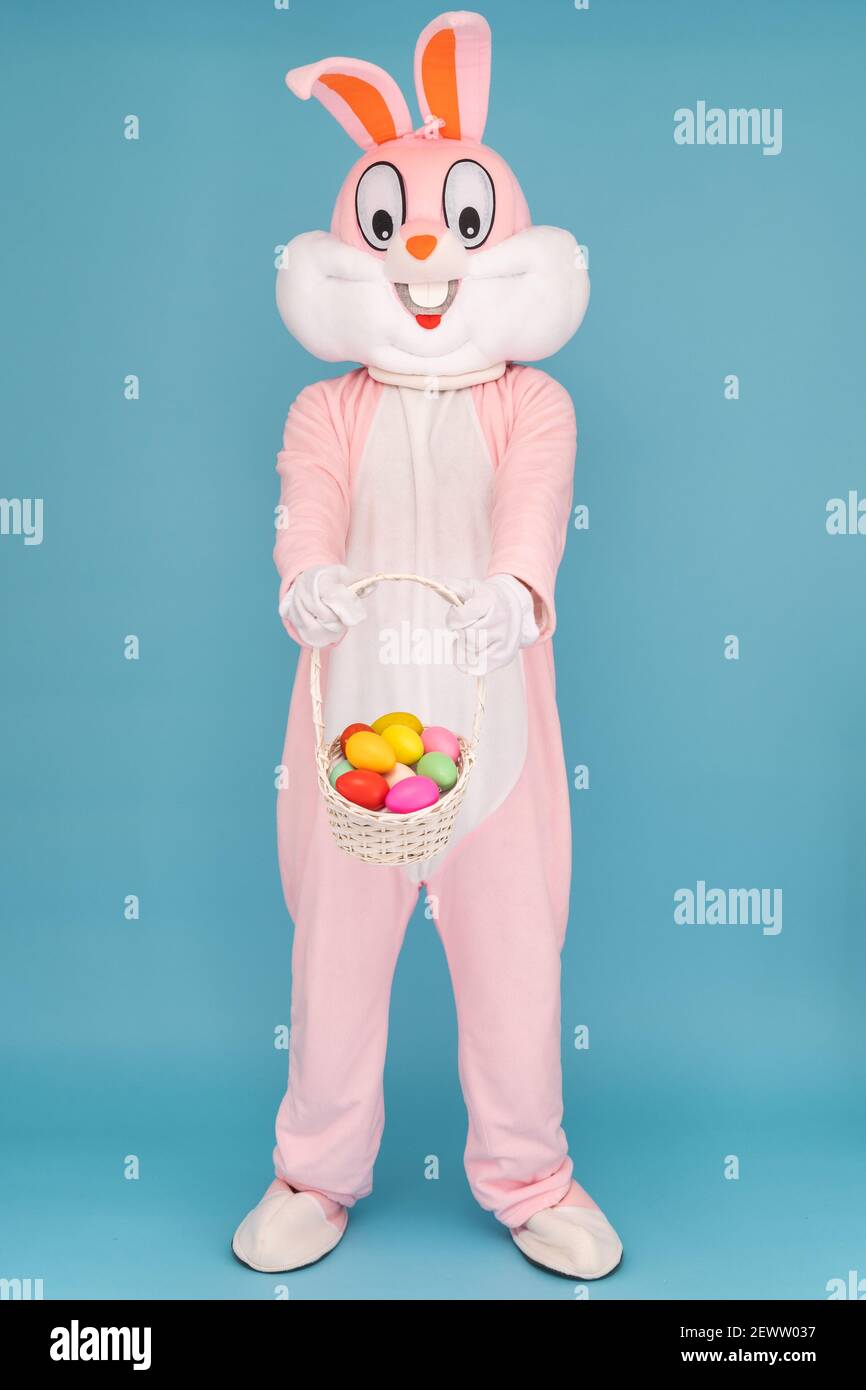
(439, 75)
(368, 105)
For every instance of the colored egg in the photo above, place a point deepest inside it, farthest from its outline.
(438, 740)
(440, 767)
(349, 730)
(338, 769)
(398, 773)
(412, 794)
(368, 750)
(364, 788)
(407, 745)
(398, 717)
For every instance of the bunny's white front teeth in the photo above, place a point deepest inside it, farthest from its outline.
(431, 295)
(427, 302)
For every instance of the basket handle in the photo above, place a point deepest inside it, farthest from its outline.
(358, 587)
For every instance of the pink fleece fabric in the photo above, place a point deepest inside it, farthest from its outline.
(502, 893)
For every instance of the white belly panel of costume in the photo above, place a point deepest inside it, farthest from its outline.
(421, 503)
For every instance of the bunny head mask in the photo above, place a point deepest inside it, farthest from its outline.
(432, 266)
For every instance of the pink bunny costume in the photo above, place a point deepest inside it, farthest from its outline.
(440, 457)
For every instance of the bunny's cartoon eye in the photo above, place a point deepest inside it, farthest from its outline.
(469, 202)
(380, 204)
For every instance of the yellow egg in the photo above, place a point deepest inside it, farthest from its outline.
(407, 745)
(371, 752)
(398, 717)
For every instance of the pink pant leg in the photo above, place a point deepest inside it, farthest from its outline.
(504, 961)
(350, 919)
(501, 903)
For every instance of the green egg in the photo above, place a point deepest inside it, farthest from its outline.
(438, 766)
(338, 769)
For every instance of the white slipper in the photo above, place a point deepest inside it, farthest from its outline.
(287, 1230)
(577, 1241)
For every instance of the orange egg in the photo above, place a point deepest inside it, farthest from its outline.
(371, 752)
(349, 730)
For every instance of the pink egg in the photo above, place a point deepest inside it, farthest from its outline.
(398, 773)
(412, 794)
(438, 740)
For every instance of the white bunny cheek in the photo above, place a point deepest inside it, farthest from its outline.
(527, 295)
(330, 296)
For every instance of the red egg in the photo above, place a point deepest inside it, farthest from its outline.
(367, 789)
(351, 729)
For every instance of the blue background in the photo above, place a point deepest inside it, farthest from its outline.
(707, 517)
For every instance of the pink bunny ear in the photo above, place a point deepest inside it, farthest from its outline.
(452, 73)
(363, 98)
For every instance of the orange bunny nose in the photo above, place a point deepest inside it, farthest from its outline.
(420, 246)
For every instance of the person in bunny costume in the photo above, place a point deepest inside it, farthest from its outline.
(440, 457)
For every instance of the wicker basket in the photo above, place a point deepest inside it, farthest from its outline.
(383, 837)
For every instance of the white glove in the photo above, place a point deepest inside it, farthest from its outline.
(493, 622)
(321, 607)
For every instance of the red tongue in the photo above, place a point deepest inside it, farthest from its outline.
(428, 320)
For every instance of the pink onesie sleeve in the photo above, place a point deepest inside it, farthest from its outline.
(533, 486)
(323, 437)
(313, 466)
